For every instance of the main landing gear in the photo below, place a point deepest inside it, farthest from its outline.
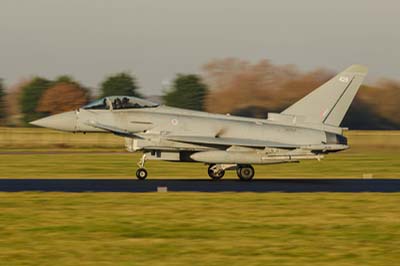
(216, 172)
(141, 173)
(245, 172)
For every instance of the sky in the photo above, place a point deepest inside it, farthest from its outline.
(155, 40)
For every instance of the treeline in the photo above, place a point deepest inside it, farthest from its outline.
(242, 88)
(38, 97)
(227, 85)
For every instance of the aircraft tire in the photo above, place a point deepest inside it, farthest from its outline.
(213, 175)
(141, 173)
(245, 172)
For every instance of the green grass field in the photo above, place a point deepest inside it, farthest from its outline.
(199, 229)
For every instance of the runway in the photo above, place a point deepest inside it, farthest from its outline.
(200, 185)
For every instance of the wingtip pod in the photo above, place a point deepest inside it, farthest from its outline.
(359, 69)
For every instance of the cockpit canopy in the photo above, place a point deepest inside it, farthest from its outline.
(119, 102)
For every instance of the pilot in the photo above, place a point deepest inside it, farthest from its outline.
(105, 103)
(117, 104)
(125, 102)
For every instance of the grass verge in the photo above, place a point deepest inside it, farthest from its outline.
(199, 229)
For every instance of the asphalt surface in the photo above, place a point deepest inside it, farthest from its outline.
(201, 185)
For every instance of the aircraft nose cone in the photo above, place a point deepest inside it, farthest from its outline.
(64, 121)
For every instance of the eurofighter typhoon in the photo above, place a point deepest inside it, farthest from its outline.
(308, 129)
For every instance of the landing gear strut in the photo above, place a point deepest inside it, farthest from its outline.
(245, 172)
(215, 172)
(141, 173)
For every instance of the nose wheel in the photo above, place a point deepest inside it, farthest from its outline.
(141, 173)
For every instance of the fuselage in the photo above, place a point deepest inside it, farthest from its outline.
(166, 121)
(168, 128)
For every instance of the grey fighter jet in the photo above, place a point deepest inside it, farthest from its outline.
(308, 129)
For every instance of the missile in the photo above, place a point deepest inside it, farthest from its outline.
(229, 157)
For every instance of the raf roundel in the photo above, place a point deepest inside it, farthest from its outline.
(174, 121)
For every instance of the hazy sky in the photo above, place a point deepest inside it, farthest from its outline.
(89, 39)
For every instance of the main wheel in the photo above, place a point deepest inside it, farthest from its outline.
(245, 172)
(215, 175)
(141, 173)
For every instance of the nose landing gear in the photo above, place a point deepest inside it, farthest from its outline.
(141, 173)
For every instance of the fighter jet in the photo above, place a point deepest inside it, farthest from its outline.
(308, 129)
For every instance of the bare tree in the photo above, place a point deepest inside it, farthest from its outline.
(236, 84)
(62, 97)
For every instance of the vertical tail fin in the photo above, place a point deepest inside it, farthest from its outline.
(329, 103)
